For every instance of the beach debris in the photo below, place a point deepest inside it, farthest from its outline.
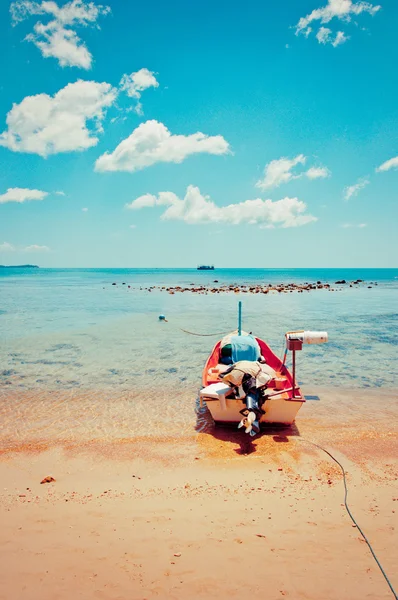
(260, 535)
(47, 479)
(177, 554)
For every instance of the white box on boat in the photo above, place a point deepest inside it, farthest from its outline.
(216, 391)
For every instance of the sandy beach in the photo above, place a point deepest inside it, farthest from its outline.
(212, 515)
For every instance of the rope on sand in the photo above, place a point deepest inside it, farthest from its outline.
(351, 515)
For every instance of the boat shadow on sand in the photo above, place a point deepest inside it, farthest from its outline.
(229, 433)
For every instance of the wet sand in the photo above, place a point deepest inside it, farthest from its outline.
(202, 513)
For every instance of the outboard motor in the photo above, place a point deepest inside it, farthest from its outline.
(253, 411)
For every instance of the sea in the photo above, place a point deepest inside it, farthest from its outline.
(83, 352)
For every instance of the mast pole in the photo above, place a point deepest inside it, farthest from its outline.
(239, 317)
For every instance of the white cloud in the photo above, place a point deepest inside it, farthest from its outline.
(317, 173)
(350, 226)
(21, 195)
(36, 248)
(135, 83)
(353, 190)
(133, 226)
(342, 10)
(278, 171)
(195, 208)
(323, 35)
(57, 38)
(152, 142)
(66, 122)
(84, 209)
(340, 39)
(149, 200)
(392, 163)
(60, 193)
(6, 247)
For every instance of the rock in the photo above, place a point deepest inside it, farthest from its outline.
(341, 281)
(48, 479)
(113, 283)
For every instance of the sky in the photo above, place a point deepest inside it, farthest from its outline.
(257, 134)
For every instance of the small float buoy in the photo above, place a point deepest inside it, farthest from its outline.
(162, 318)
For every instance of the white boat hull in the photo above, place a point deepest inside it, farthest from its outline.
(278, 409)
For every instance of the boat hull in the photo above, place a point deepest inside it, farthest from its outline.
(277, 410)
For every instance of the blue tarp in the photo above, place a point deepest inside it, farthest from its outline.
(244, 347)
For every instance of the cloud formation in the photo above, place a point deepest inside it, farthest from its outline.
(151, 142)
(350, 226)
(195, 208)
(353, 190)
(66, 122)
(6, 247)
(325, 36)
(343, 10)
(58, 37)
(21, 195)
(35, 248)
(317, 173)
(279, 171)
(392, 163)
(135, 83)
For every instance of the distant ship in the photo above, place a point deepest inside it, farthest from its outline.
(205, 268)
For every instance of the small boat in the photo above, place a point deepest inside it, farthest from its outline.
(278, 400)
(205, 268)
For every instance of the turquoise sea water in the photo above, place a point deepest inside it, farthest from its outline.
(71, 329)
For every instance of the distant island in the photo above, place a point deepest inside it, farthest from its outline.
(19, 267)
(205, 268)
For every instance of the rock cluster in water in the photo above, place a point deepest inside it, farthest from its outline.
(253, 289)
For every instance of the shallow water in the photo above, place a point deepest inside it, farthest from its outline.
(77, 353)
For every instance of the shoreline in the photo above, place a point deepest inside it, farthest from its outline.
(213, 514)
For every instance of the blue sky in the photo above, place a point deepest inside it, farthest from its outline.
(256, 134)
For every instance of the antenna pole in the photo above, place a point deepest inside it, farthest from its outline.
(294, 372)
(239, 318)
